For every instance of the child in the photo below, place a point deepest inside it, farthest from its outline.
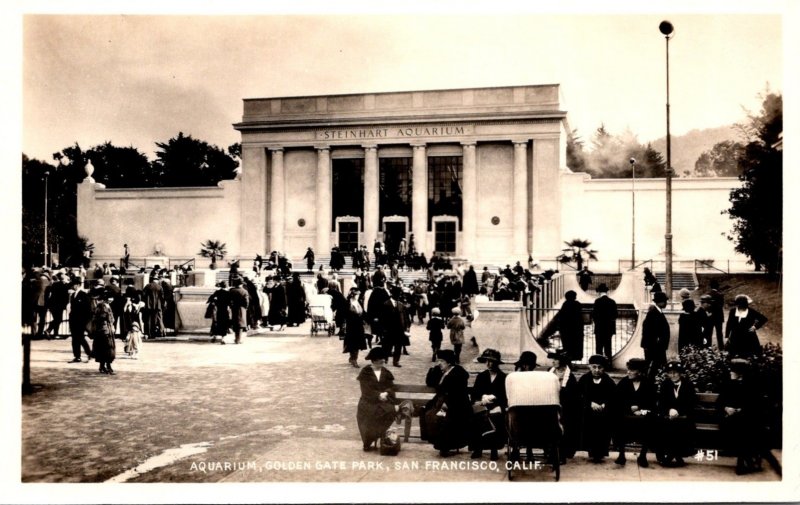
(435, 327)
(133, 341)
(457, 325)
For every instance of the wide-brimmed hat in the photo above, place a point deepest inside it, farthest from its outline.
(447, 355)
(743, 299)
(674, 366)
(602, 288)
(637, 364)
(560, 355)
(598, 359)
(376, 353)
(526, 358)
(660, 296)
(490, 354)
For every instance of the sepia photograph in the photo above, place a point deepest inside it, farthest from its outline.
(315, 253)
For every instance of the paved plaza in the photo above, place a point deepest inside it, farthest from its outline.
(279, 408)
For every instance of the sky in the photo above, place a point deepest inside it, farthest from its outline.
(138, 79)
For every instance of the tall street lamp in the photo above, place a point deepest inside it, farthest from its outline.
(668, 31)
(633, 213)
(46, 174)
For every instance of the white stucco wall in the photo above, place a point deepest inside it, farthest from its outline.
(301, 180)
(495, 164)
(600, 211)
(177, 218)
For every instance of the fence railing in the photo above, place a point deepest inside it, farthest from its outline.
(538, 303)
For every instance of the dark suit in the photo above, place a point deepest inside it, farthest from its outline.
(153, 298)
(80, 315)
(741, 341)
(394, 322)
(655, 339)
(57, 300)
(676, 435)
(604, 315)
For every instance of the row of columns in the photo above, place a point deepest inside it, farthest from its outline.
(419, 198)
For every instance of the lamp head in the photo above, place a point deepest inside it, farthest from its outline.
(666, 28)
(632, 161)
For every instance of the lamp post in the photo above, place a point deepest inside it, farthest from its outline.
(668, 31)
(633, 213)
(46, 174)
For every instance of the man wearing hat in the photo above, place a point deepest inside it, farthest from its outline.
(706, 320)
(597, 392)
(604, 315)
(676, 403)
(690, 329)
(457, 325)
(394, 324)
(80, 315)
(655, 334)
(738, 403)
(635, 400)
(153, 298)
(489, 401)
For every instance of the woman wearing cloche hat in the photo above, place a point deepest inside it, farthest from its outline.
(377, 407)
(676, 403)
(446, 417)
(597, 392)
(489, 398)
(635, 405)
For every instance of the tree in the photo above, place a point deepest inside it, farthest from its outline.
(184, 161)
(722, 160)
(756, 206)
(575, 251)
(576, 157)
(213, 249)
(121, 167)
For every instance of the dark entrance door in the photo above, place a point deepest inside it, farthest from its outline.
(393, 233)
(348, 236)
(446, 237)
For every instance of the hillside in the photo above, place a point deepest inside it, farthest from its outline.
(687, 148)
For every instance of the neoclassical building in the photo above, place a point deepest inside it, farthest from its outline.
(475, 173)
(469, 172)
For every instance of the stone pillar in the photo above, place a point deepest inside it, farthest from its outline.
(469, 202)
(419, 198)
(546, 194)
(520, 200)
(323, 200)
(278, 193)
(371, 201)
(254, 201)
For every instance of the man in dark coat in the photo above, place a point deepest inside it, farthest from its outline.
(597, 391)
(394, 323)
(569, 321)
(604, 315)
(57, 299)
(470, 285)
(585, 278)
(40, 287)
(81, 309)
(296, 301)
(309, 257)
(635, 411)
(655, 334)
(239, 303)
(717, 312)
(676, 403)
(375, 304)
(114, 292)
(153, 297)
(169, 302)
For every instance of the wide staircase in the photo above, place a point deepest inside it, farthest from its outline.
(680, 280)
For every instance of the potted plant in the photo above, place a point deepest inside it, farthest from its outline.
(213, 249)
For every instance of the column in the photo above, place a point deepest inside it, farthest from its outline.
(253, 186)
(277, 196)
(469, 203)
(323, 200)
(371, 215)
(546, 194)
(520, 205)
(419, 198)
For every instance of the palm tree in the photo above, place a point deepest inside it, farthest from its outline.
(213, 249)
(575, 250)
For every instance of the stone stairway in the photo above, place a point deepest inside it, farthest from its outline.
(680, 280)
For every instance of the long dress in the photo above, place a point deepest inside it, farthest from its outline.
(354, 339)
(484, 385)
(676, 436)
(597, 424)
(104, 347)
(296, 298)
(450, 431)
(131, 313)
(277, 305)
(220, 302)
(374, 416)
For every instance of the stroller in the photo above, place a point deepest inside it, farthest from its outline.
(533, 419)
(319, 308)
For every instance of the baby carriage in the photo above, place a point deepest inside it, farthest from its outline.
(533, 419)
(319, 307)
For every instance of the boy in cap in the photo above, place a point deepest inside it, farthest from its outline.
(597, 391)
(676, 402)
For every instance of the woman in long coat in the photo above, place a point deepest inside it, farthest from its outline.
(451, 403)
(569, 321)
(104, 347)
(489, 391)
(740, 408)
(220, 301)
(740, 330)
(354, 337)
(239, 303)
(277, 304)
(296, 301)
(676, 403)
(635, 411)
(376, 407)
(597, 392)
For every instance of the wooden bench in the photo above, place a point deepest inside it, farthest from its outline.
(419, 395)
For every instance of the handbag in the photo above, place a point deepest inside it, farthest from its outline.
(390, 443)
(482, 420)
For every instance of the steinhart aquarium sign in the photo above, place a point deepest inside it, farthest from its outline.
(394, 132)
